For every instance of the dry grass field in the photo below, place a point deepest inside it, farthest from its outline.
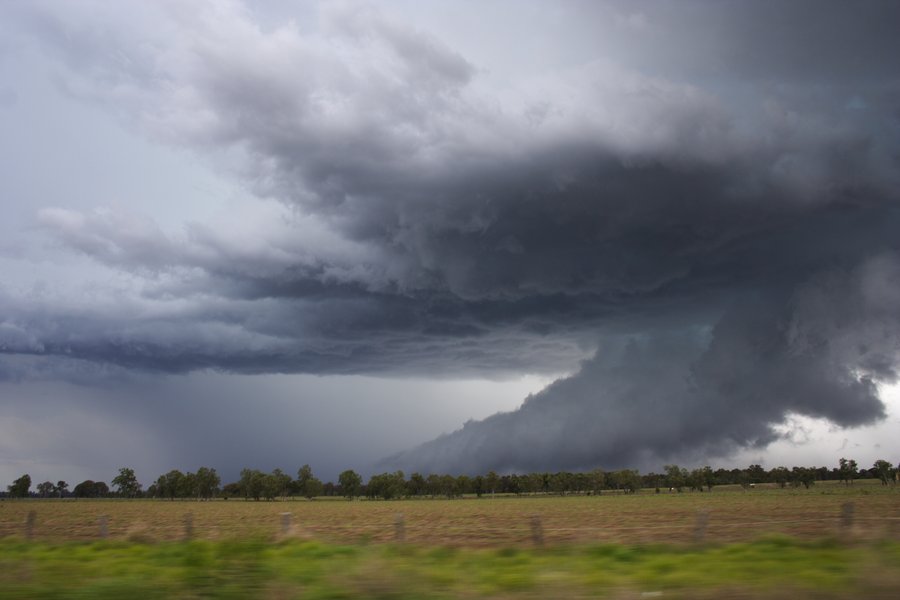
(759, 544)
(734, 516)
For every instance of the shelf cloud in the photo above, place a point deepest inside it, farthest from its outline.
(704, 233)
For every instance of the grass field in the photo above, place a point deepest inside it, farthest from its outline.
(768, 568)
(762, 543)
(734, 516)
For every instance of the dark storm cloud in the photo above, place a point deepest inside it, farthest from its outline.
(689, 394)
(692, 214)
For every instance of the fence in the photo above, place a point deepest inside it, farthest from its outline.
(534, 529)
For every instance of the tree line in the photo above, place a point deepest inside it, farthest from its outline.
(254, 484)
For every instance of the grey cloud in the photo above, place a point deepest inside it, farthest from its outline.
(686, 394)
(703, 215)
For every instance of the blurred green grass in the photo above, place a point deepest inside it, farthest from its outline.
(769, 567)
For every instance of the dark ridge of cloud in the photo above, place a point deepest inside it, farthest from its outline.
(686, 394)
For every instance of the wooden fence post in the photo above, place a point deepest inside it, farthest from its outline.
(537, 530)
(188, 526)
(285, 523)
(847, 510)
(29, 525)
(103, 522)
(700, 526)
(399, 528)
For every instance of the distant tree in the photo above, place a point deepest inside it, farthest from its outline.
(433, 484)
(304, 474)
(126, 483)
(490, 481)
(848, 470)
(675, 477)
(90, 489)
(207, 483)
(478, 485)
(270, 486)
(230, 490)
(187, 486)
(282, 482)
(20, 487)
(464, 485)
(350, 482)
(170, 485)
(780, 475)
(756, 474)
(597, 481)
(416, 485)
(804, 476)
(313, 488)
(46, 489)
(61, 488)
(251, 483)
(884, 471)
(627, 480)
(386, 485)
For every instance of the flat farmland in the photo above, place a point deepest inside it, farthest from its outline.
(644, 518)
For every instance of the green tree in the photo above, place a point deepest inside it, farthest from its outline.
(91, 489)
(416, 485)
(350, 482)
(803, 476)
(313, 488)
(251, 483)
(207, 483)
(169, 485)
(61, 488)
(848, 470)
(126, 483)
(780, 475)
(20, 487)
(45, 489)
(491, 480)
(756, 473)
(675, 477)
(387, 485)
(282, 482)
(478, 485)
(884, 470)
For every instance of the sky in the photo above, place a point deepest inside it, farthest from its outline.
(447, 236)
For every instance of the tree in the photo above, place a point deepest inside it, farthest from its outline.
(756, 473)
(803, 475)
(884, 471)
(313, 488)
(170, 485)
(304, 474)
(91, 489)
(387, 485)
(45, 489)
(20, 487)
(207, 483)
(848, 470)
(282, 482)
(675, 477)
(61, 487)
(126, 483)
(350, 482)
(780, 475)
(251, 483)
(490, 481)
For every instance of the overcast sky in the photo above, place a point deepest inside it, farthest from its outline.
(613, 234)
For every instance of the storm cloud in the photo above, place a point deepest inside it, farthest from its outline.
(700, 209)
